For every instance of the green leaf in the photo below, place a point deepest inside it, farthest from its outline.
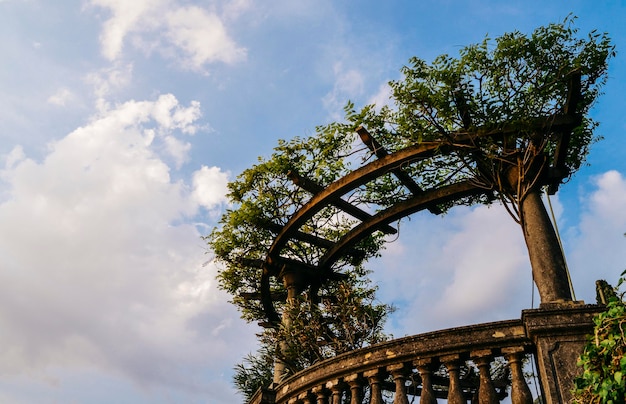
(618, 377)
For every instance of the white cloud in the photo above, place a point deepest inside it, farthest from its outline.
(190, 35)
(109, 79)
(169, 115)
(177, 149)
(126, 17)
(598, 251)
(15, 156)
(348, 84)
(468, 267)
(202, 38)
(234, 8)
(382, 97)
(61, 97)
(210, 187)
(485, 260)
(101, 270)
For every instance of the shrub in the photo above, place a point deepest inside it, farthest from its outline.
(603, 361)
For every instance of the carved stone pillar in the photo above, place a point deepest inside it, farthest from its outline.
(559, 331)
(399, 373)
(321, 394)
(375, 377)
(355, 382)
(428, 394)
(455, 393)
(336, 389)
(306, 398)
(520, 393)
(486, 391)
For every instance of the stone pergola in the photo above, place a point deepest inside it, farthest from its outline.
(553, 334)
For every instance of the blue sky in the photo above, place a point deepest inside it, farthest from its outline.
(121, 122)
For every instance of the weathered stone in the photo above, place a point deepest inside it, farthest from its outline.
(559, 332)
(556, 332)
(520, 393)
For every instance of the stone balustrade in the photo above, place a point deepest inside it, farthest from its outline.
(454, 365)
(440, 364)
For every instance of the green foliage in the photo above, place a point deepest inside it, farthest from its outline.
(254, 372)
(265, 198)
(604, 360)
(515, 83)
(347, 317)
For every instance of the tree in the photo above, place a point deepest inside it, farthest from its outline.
(503, 120)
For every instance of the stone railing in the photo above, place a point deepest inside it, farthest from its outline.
(455, 364)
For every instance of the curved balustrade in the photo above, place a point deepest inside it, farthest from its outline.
(454, 365)
(442, 364)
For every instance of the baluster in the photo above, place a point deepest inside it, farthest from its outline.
(486, 390)
(356, 388)
(321, 394)
(428, 394)
(336, 389)
(375, 377)
(520, 393)
(305, 398)
(399, 373)
(455, 393)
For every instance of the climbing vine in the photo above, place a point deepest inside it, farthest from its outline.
(604, 360)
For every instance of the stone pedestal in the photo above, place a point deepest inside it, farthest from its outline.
(559, 331)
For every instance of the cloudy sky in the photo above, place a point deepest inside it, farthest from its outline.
(121, 123)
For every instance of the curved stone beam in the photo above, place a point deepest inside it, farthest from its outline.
(356, 178)
(425, 200)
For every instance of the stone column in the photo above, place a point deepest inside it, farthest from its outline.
(520, 393)
(336, 388)
(428, 394)
(321, 394)
(546, 256)
(294, 283)
(374, 378)
(399, 373)
(486, 391)
(355, 382)
(559, 332)
(305, 398)
(455, 393)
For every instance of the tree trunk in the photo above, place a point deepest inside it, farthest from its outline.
(546, 256)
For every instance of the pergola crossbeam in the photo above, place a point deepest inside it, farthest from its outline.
(560, 153)
(347, 207)
(380, 152)
(304, 237)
